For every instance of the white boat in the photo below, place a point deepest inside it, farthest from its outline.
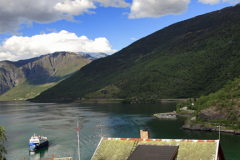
(36, 142)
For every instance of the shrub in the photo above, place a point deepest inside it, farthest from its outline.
(233, 102)
(3, 139)
(234, 117)
(178, 106)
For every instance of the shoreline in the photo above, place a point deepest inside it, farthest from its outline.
(99, 101)
(198, 127)
(174, 100)
(102, 100)
(195, 126)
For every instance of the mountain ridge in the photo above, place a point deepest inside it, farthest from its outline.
(46, 69)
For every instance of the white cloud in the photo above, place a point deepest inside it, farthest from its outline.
(14, 14)
(218, 1)
(19, 47)
(75, 7)
(209, 1)
(133, 39)
(157, 8)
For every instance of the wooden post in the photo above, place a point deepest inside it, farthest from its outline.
(52, 157)
(23, 159)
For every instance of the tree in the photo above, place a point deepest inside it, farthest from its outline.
(3, 138)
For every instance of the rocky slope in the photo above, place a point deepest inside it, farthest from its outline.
(44, 71)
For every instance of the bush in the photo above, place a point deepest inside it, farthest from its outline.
(3, 139)
(233, 102)
(178, 106)
(238, 125)
(234, 117)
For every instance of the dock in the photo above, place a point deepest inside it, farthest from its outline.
(168, 115)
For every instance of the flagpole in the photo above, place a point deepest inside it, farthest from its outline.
(219, 132)
(78, 142)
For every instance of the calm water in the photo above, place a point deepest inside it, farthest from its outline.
(58, 123)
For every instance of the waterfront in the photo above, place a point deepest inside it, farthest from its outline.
(58, 123)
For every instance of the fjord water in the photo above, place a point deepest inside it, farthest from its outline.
(59, 123)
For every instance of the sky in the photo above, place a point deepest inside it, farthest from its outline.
(30, 28)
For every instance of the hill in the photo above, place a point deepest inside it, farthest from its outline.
(188, 59)
(219, 108)
(27, 78)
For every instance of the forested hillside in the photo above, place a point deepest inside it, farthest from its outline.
(219, 108)
(188, 59)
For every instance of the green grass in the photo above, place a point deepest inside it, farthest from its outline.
(106, 92)
(120, 149)
(25, 91)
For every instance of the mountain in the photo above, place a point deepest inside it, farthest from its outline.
(27, 78)
(188, 59)
(94, 56)
(8, 77)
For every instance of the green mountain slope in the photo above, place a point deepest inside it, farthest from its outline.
(221, 107)
(27, 78)
(187, 59)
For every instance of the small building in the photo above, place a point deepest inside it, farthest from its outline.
(157, 149)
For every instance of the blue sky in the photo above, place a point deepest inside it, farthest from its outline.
(30, 28)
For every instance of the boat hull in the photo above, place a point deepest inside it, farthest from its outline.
(33, 146)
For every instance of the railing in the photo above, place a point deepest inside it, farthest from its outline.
(64, 158)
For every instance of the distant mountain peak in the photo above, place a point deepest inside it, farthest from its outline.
(94, 56)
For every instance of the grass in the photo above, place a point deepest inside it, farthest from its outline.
(25, 91)
(120, 149)
(106, 93)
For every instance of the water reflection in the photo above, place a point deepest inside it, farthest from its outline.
(37, 154)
